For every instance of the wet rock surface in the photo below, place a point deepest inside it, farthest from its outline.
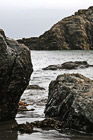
(46, 124)
(70, 100)
(23, 107)
(69, 65)
(15, 71)
(23, 128)
(34, 87)
(71, 33)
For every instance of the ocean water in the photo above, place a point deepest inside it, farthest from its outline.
(38, 98)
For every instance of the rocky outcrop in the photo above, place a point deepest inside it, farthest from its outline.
(15, 71)
(70, 99)
(69, 65)
(71, 33)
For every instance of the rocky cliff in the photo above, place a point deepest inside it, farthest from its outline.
(71, 33)
(15, 71)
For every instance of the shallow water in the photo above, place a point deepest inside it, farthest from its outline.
(38, 98)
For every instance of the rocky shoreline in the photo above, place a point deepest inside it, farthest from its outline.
(70, 97)
(69, 104)
(69, 107)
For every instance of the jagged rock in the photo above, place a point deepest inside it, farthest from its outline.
(15, 71)
(71, 33)
(70, 99)
(69, 65)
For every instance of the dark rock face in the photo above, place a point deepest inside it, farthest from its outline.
(71, 33)
(70, 99)
(69, 65)
(15, 71)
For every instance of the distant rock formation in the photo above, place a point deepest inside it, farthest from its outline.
(69, 65)
(71, 33)
(70, 99)
(15, 71)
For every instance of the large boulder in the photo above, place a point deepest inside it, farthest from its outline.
(71, 33)
(70, 99)
(15, 71)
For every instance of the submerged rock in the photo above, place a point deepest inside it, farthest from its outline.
(71, 33)
(15, 71)
(70, 99)
(69, 65)
(34, 87)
